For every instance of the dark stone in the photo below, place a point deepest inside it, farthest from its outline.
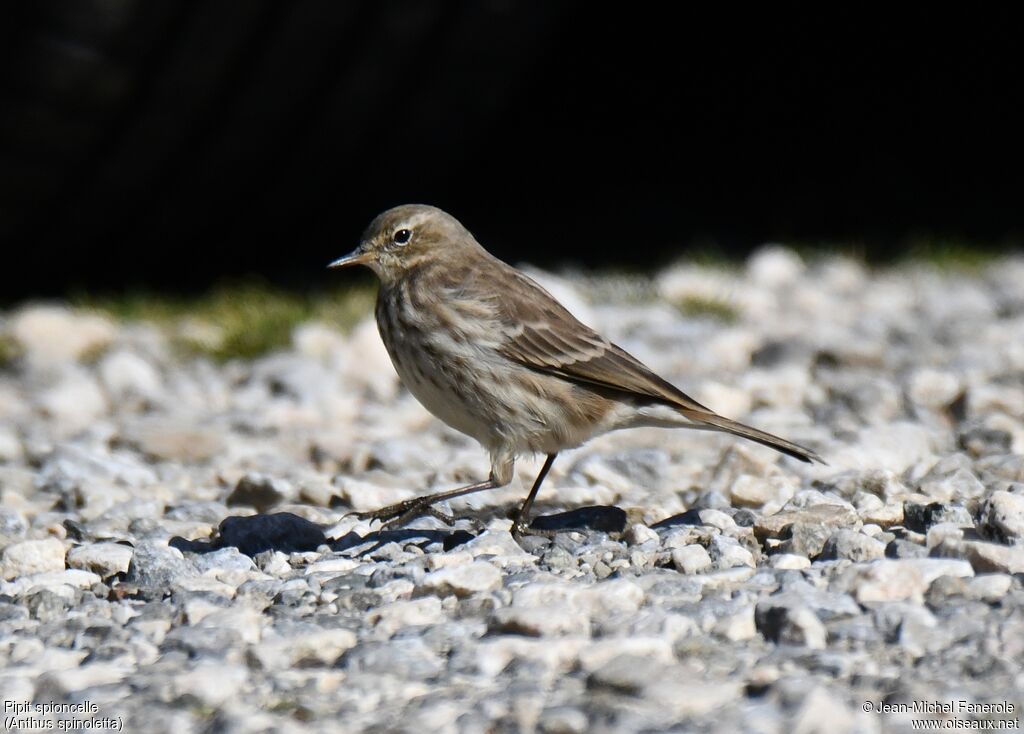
(199, 642)
(387, 572)
(690, 517)
(75, 530)
(597, 517)
(774, 353)
(457, 538)
(108, 652)
(744, 518)
(47, 606)
(12, 612)
(254, 490)
(783, 622)
(409, 656)
(626, 675)
(362, 600)
(900, 548)
(558, 557)
(282, 531)
(942, 589)
(920, 517)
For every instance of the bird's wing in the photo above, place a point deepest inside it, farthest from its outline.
(544, 336)
(541, 334)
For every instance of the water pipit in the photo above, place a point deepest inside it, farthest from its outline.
(492, 354)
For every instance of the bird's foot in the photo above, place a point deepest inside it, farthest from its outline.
(400, 513)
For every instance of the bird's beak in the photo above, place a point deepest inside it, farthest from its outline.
(356, 257)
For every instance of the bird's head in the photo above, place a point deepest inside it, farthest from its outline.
(405, 237)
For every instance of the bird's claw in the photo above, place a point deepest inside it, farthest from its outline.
(384, 514)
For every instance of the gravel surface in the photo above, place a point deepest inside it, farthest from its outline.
(175, 555)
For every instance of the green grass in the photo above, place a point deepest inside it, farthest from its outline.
(952, 255)
(699, 306)
(237, 320)
(10, 350)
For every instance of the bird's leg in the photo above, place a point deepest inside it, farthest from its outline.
(519, 526)
(402, 512)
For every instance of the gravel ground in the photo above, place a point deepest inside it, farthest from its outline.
(176, 557)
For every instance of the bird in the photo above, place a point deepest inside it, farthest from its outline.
(493, 355)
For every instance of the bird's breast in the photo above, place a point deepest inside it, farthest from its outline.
(448, 355)
(443, 358)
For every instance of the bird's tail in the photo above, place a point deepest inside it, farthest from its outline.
(712, 421)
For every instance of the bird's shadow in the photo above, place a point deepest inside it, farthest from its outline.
(289, 533)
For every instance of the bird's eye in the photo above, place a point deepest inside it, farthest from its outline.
(402, 236)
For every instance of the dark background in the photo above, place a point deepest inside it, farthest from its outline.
(167, 145)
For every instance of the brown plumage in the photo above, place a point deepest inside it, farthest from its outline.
(495, 356)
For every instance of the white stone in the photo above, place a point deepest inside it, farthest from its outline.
(724, 399)
(206, 584)
(10, 445)
(691, 559)
(638, 534)
(463, 580)
(989, 587)
(364, 496)
(775, 266)
(738, 625)
(750, 491)
(436, 561)
(600, 652)
(32, 556)
(104, 559)
(726, 552)
(60, 582)
(893, 447)
(825, 711)
(390, 618)
(614, 596)
(872, 509)
(680, 698)
(50, 334)
(901, 579)
(552, 621)
(126, 375)
(309, 649)
(607, 597)
(319, 341)
(75, 402)
(789, 561)
(984, 557)
(1001, 516)
(72, 680)
(729, 578)
(175, 438)
(942, 531)
(332, 566)
(934, 389)
(210, 684)
(717, 519)
(371, 369)
(558, 655)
